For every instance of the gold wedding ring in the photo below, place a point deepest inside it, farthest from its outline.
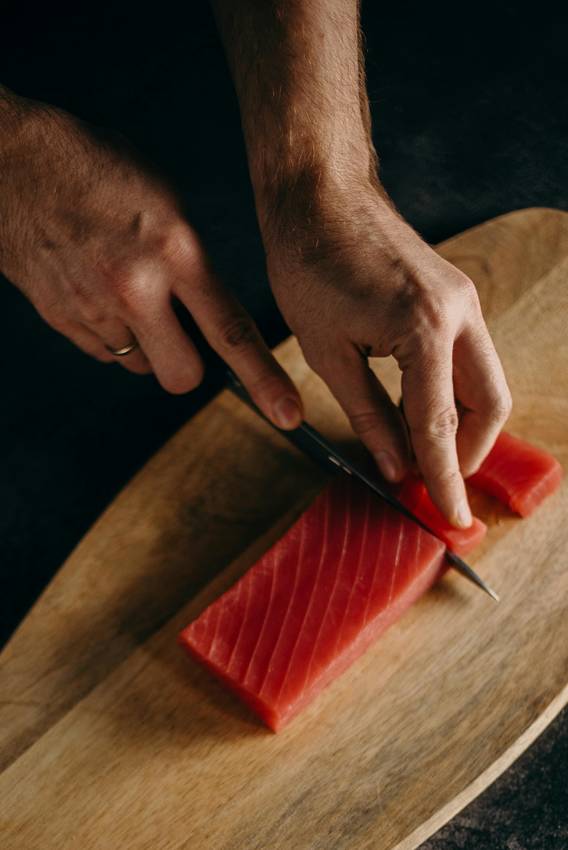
(126, 349)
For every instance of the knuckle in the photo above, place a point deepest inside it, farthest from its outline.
(441, 426)
(125, 288)
(500, 407)
(429, 315)
(465, 288)
(175, 243)
(445, 478)
(364, 423)
(182, 243)
(435, 310)
(236, 333)
(122, 286)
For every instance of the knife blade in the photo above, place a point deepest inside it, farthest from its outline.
(314, 445)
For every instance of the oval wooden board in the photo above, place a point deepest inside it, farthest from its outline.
(110, 737)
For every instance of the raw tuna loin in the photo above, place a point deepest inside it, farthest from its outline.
(315, 601)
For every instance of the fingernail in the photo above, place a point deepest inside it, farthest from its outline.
(463, 517)
(388, 466)
(287, 413)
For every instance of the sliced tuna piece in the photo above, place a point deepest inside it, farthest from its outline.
(518, 474)
(414, 495)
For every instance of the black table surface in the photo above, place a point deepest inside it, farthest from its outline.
(469, 111)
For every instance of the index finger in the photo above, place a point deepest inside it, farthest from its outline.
(431, 415)
(233, 334)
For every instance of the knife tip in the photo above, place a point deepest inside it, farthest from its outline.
(492, 594)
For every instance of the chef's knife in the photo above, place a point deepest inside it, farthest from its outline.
(313, 444)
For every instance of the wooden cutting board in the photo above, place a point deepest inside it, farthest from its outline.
(110, 737)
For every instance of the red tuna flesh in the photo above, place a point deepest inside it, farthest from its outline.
(518, 474)
(414, 495)
(344, 572)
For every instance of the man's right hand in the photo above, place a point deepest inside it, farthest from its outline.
(357, 282)
(99, 245)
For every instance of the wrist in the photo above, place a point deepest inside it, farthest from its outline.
(301, 155)
(310, 212)
(304, 193)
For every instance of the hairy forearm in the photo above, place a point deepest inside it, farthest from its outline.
(298, 72)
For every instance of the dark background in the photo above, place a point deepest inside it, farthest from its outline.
(469, 109)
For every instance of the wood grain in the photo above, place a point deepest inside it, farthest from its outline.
(111, 737)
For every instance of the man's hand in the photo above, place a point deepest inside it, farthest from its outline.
(355, 281)
(98, 244)
(351, 278)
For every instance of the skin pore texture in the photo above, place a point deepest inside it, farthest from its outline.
(103, 249)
